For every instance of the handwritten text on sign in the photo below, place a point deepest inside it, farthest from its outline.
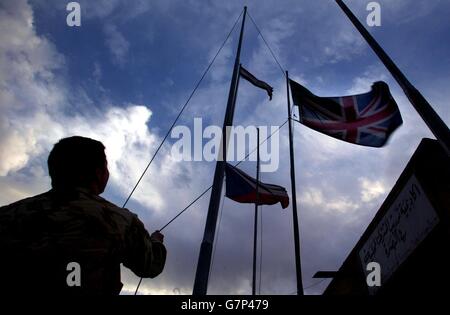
(406, 223)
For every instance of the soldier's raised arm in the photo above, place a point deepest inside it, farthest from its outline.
(145, 255)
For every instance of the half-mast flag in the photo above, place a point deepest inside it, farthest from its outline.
(253, 80)
(242, 188)
(367, 119)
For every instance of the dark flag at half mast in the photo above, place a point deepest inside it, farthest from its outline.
(253, 80)
(367, 119)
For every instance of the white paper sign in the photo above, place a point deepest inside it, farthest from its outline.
(406, 223)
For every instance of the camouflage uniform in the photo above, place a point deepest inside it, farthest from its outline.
(40, 235)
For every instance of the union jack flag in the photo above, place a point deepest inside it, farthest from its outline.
(367, 119)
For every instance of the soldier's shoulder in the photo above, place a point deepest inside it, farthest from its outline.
(113, 208)
(23, 203)
(17, 210)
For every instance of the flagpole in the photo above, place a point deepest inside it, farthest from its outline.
(255, 230)
(204, 259)
(429, 116)
(298, 266)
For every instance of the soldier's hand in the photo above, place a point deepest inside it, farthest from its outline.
(157, 236)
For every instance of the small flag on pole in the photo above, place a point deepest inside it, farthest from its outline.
(253, 80)
(242, 188)
(367, 119)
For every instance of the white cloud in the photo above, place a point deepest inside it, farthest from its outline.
(275, 31)
(27, 62)
(97, 73)
(314, 197)
(128, 143)
(99, 8)
(363, 83)
(343, 205)
(343, 46)
(27, 86)
(107, 9)
(124, 132)
(404, 11)
(117, 44)
(24, 138)
(370, 190)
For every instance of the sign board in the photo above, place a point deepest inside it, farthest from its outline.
(405, 224)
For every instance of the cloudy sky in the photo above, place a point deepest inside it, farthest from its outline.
(123, 75)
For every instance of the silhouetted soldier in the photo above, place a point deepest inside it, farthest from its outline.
(41, 235)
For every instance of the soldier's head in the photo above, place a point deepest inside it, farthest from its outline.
(78, 162)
